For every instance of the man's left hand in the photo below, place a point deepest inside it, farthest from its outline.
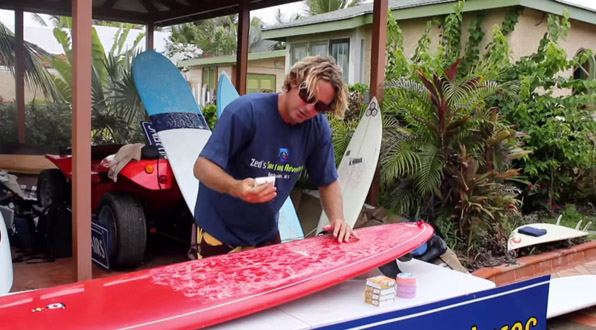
(341, 230)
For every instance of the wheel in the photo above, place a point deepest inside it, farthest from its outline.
(51, 188)
(123, 216)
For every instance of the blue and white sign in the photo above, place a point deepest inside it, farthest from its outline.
(100, 239)
(519, 306)
(152, 137)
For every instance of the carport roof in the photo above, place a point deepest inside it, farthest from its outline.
(158, 12)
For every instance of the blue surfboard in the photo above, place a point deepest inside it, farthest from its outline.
(175, 115)
(289, 225)
(226, 93)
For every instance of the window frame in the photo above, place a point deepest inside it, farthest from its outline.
(262, 75)
(330, 43)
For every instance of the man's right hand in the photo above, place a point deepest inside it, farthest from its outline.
(248, 192)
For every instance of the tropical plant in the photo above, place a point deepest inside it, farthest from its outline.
(211, 37)
(559, 126)
(445, 154)
(48, 124)
(36, 75)
(116, 106)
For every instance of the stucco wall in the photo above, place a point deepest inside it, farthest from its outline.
(523, 41)
(532, 27)
(7, 88)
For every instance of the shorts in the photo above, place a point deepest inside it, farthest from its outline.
(209, 246)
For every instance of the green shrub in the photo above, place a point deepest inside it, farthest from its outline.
(46, 124)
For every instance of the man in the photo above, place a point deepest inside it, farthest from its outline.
(270, 135)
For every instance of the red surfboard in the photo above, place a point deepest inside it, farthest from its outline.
(200, 293)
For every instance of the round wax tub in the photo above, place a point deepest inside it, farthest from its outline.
(406, 294)
(406, 279)
(407, 288)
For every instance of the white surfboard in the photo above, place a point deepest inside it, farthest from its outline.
(288, 223)
(433, 284)
(571, 293)
(6, 275)
(358, 165)
(553, 233)
(175, 115)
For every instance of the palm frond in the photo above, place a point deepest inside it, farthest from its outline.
(403, 198)
(36, 75)
(399, 161)
(430, 176)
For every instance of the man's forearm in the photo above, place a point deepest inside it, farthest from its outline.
(213, 176)
(332, 201)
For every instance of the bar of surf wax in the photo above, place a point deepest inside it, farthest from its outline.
(380, 282)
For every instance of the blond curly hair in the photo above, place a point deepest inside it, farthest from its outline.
(310, 70)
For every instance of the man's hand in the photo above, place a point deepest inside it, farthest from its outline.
(248, 192)
(341, 230)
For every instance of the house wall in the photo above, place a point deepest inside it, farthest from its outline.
(8, 87)
(532, 27)
(270, 66)
(523, 41)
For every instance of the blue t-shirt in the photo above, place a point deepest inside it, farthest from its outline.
(252, 140)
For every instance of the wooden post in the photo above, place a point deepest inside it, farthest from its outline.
(81, 138)
(377, 74)
(149, 36)
(379, 43)
(20, 76)
(242, 53)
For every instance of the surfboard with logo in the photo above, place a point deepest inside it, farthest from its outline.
(358, 164)
(200, 293)
(175, 115)
(288, 222)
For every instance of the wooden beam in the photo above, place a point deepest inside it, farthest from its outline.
(217, 8)
(242, 53)
(109, 4)
(149, 35)
(173, 4)
(377, 75)
(149, 6)
(379, 43)
(81, 139)
(20, 76)
(64, 8)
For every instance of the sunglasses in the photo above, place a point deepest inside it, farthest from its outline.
(319, 106)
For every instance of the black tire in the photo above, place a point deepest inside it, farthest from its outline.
(52, 188)
(123, 215)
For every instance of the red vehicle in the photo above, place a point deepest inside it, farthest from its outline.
(145, 192)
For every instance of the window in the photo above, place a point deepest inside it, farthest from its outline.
(319, 48)
(210, 77)
(339, 49)
(299, 52)
(257, 83)
(586, 71)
